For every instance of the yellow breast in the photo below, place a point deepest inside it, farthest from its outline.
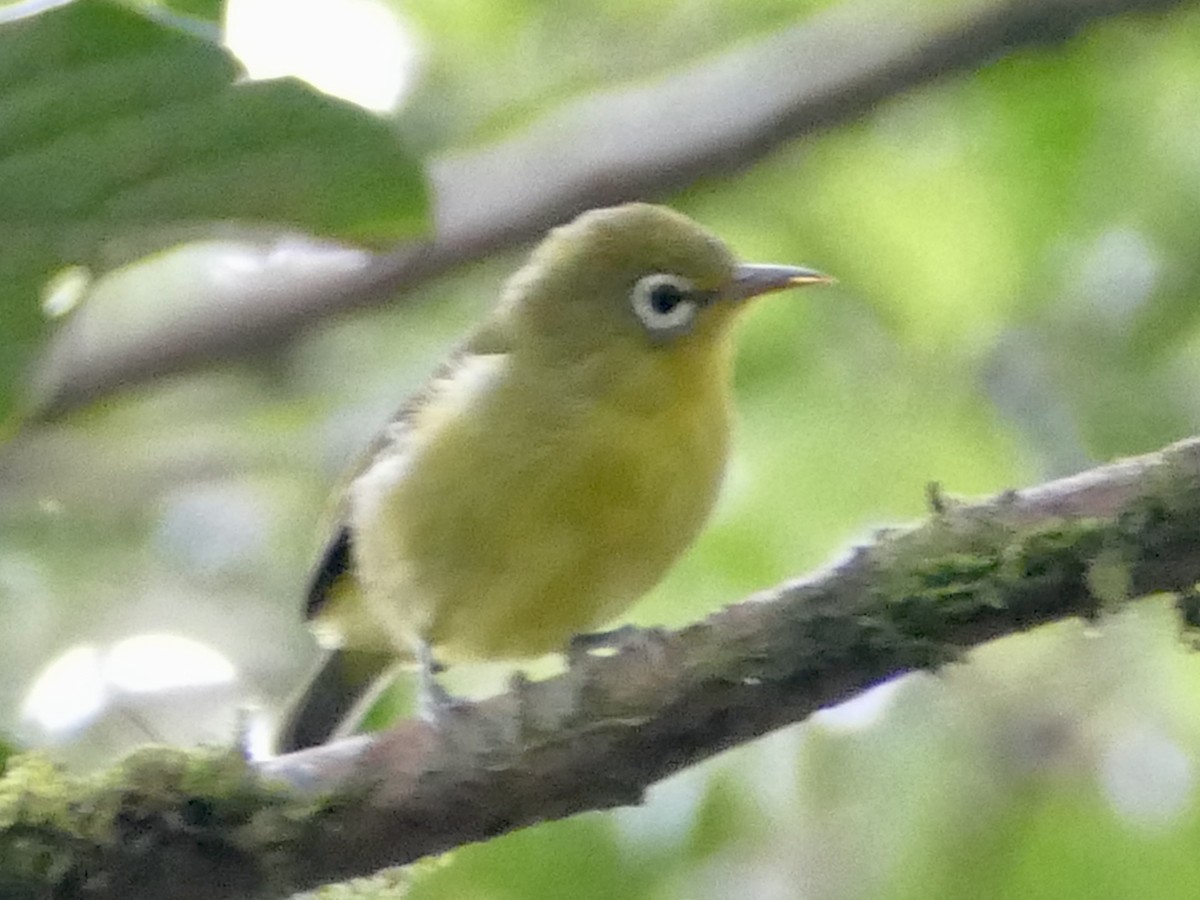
(539, 504)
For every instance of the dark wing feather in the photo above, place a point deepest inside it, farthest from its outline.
(334, 563)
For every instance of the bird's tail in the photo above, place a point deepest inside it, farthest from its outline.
(335, 698)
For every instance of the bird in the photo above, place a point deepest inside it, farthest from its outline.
(549, 473)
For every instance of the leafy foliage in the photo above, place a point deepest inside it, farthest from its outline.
(119, 131)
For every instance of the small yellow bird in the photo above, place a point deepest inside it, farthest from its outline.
(551, 471)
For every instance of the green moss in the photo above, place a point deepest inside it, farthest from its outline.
(54, 825)
(35, 802)
(956, 569)
(1060, 553)
(983, 572)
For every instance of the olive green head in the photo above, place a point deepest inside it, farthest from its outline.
(635, 275)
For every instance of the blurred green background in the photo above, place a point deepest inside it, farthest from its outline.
(1018, 261)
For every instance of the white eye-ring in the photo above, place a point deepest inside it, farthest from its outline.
(665, 304)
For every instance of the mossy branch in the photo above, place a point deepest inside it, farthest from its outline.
(202, 826)
(709, 119)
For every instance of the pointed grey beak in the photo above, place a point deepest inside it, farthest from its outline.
(752, 280)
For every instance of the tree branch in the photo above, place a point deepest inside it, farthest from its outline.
(201, 827)
(637, 142)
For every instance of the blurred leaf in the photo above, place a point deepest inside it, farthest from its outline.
(725, 817)
(118, 128)
(394, 702)
(1151, 167)
(577, 858)
(1060, 841)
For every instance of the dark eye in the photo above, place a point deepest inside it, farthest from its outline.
(665, 297)
(664, 303)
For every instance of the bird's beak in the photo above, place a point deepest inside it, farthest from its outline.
(753, 280)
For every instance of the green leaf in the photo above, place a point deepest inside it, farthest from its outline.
(116, 127)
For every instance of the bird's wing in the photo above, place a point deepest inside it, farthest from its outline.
(334, 563)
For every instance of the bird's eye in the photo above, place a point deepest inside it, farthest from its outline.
(664, 303)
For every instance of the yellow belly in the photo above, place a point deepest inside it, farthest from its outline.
(518, 525)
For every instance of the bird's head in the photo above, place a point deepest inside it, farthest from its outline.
(635, 277)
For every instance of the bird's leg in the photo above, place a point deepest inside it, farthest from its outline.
(518, 689)
(433, 700)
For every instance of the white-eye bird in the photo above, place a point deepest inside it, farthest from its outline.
(551, 471)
